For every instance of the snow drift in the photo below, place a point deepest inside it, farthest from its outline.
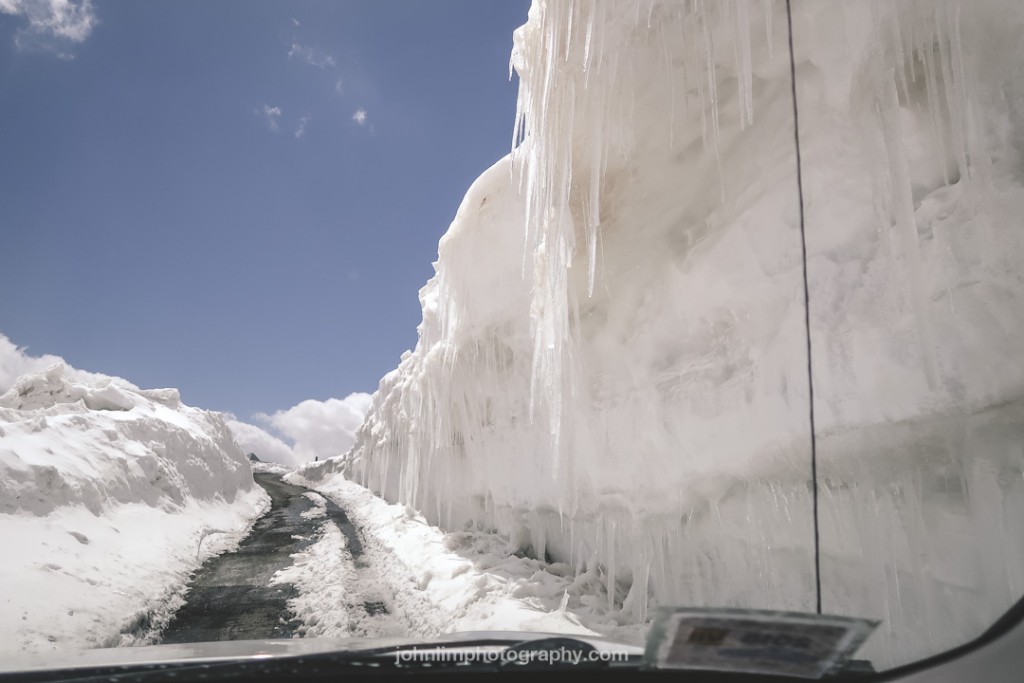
(107, 494)
(611, 367)
(430, 582)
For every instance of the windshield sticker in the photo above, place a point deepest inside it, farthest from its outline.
(768, 642)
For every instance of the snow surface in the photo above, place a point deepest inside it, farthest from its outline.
(611, 366)
(431, 582)
(110, 495)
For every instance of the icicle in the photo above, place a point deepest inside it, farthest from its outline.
(712, 82)
(700, 91)
(901, 57)
(903, 212)
(593, 223)
(610, 564)
(587, 43)
(745, 82)
(955, 99)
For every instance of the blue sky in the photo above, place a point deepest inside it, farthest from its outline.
(190, 197)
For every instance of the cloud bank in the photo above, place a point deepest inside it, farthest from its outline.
(266, 446)
(320, 428)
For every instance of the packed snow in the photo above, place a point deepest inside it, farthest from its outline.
(110, 495)
(412, 579)
(611, 367)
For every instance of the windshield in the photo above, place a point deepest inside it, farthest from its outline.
(734, 323)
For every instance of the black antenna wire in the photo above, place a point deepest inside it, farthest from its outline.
(807, 313)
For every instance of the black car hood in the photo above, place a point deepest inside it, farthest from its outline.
(247, 650)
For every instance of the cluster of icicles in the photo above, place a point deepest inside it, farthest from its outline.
(575, 112)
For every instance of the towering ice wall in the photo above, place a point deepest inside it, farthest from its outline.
(611, 365)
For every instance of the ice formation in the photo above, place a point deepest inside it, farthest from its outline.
(611, 365)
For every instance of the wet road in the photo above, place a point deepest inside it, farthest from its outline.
(230, 596)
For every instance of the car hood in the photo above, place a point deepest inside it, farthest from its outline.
(235, 650)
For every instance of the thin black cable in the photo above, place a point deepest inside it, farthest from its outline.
(807, 313)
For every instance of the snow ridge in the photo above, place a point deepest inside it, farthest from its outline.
(112, 495)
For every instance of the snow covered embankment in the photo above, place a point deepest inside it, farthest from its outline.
(428, 582)
(621, 384)
(109, 496)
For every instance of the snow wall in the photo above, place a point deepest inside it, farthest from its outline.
(71, 438)
(108, 493)
(611, 367)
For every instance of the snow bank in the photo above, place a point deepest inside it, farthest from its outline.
(611, 365)
(108, 493)
(431, 582)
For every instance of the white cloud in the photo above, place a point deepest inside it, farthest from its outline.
(266, 446)
(311, 55)
(339, 87)
(300, 131)
(321, 428)
(14, 362)
(51, 21)
(272, 115)
(360, 116)
(296, 22)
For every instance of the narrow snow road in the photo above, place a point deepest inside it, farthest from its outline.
(303, 550)
(306, 570)
(339, 582)
(232, 596)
